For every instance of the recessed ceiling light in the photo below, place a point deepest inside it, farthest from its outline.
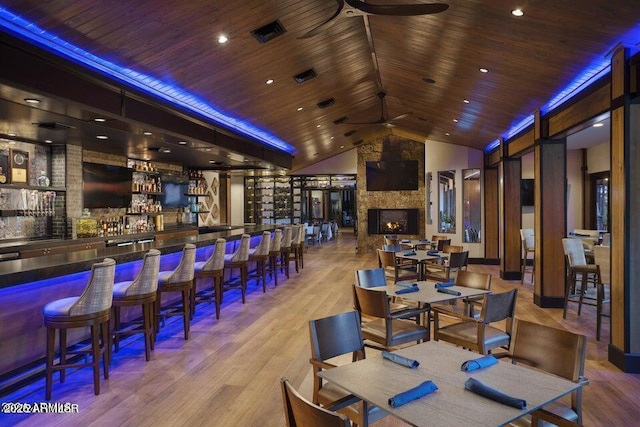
(269, 81)
(99, 119)
(32, 100)
(517, 12)
(182, 142)
(342, 146)
(466, 101)
(455, 120)
(447, 133)
(246, 160)
(299, 109)
(102, 137)
(207, 149)
(332, 137)
(212, 161)
(147, 133)
(48, 141)
(166, 150)
(12, 134)
(598, 125)
(318, 126)
(484, 70)
(222, 39)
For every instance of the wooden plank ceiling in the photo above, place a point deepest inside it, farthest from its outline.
(529, 60)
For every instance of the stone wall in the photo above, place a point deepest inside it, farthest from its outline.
(384, 149)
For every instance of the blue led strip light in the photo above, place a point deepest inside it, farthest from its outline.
(169, 92)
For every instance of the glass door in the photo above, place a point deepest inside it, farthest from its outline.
(601, 201)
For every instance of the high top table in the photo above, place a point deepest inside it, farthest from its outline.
(375, 380)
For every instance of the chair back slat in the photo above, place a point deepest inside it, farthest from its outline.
(371, 277)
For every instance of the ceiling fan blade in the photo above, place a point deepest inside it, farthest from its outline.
(326, 24)
(398, 9)
(400, 117)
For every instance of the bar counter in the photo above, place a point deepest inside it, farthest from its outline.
(27, 285)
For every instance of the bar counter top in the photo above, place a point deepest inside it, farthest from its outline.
(21, 271)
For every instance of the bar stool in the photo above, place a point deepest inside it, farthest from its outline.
(91, 309)
(239, 259)
(285, 250)
(274, 251)
(178, 280)
(140, 291)
(212, 268)
(260, 254)
(528, 247)
(297, 246)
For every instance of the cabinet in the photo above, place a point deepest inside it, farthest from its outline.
(146, 187)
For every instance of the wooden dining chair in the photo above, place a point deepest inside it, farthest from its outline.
(558, 352)
(374, 277)
(478, 334)
(441, 243)
(470, 305)
(299, 412)
(442, 272)
(388, 329)
(331, 337)
(393, 269)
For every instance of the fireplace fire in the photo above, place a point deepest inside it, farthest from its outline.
(393, 221)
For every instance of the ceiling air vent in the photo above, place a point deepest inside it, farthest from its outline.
(351, 132)
(304, 76)
(340, 120)
(269, 31)
(326, 103)
(54, 126)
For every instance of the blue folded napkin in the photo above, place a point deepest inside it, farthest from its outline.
(410, 253)
(408, 290)
(444, 284)
(425, 241)
(405, 241)
(433, 252)
(479, 363)
(406, 284)
(400, 360)
(412, 394)
(484, 390)
(449, 291)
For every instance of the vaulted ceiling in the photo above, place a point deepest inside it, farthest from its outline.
(428, 65)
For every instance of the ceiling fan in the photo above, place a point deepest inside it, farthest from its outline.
(359, 7)
(388, 123)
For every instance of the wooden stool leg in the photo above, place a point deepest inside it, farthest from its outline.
(146, 327)
(95, 351)
(51, 348)
(192, 310)
(243, 281)
(152, 323)
(217, 285)
(263, 273)
(116, 327)
(186, 311)
(157, 310)
(63, 353)
(105, 339)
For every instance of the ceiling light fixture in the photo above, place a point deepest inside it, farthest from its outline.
(517, 12)
(207, 149)
(32, 100)
(99, 119)
(182, 142)
(483, 70)
(165, 150)
(466, 101)
(212, 161)
(455, 120)
(447, 133)
(12, 134)
(299, 109)
(147, 133)
(222, 39)
(598, 125)
(318, 126)
(102, 137)
(48, 141)
(269, 81)
(342, 146)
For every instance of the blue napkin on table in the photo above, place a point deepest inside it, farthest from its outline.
(406, 284)
(425, 241)
(484, 390)
(405, 241)
(408, 290)
(433, 252)
(410, 253)
(412, 394)
(449, 291)
(479, 363)
(400, 360)
(444, 284)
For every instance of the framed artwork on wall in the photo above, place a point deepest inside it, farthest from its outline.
(19, 166)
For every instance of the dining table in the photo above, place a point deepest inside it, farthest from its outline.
(375, 380)
(421, 258)
(417, 243)
(427, 293)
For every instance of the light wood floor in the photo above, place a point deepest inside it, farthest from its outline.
(228, 373)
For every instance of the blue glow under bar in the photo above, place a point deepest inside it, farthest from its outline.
(167, 91)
